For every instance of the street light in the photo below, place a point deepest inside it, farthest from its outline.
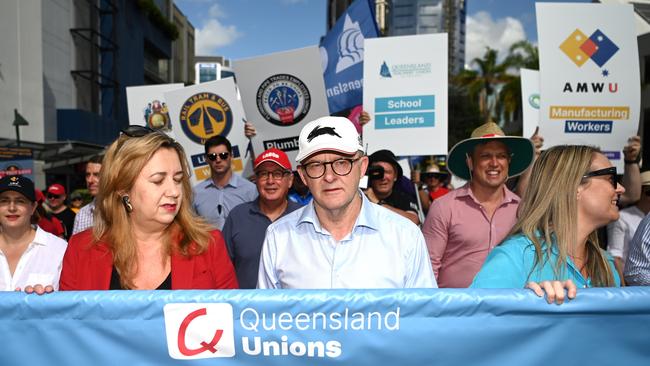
(19, 121)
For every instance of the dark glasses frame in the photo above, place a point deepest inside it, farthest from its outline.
(222, 155)
(137, 131)
(611, 171)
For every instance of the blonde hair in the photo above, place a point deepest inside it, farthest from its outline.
(549, 208)
(124, 159)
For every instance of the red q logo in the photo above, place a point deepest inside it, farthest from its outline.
(196, 331)
(204, 346)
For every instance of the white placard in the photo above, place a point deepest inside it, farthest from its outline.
(405, 93)
(147, 105)
(530, 101)
(201, 111)
(281, 93)
(589, 68)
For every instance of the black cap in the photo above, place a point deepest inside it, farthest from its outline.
(386, 156)
(20, 184)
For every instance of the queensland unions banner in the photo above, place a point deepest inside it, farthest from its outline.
(342, 53)
(405, 92)
(530, 101)
(201, 111)
(282, 92)
(336, 327)
(589, 75)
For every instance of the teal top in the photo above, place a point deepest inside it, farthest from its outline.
(509, 265)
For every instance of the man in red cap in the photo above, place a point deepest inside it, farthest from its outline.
(56, 201)
(246, 224)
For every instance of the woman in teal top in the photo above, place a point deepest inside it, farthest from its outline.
(573, 190)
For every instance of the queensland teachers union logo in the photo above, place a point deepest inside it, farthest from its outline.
(196, 331)
(597, 48)
(283, 100)
(204, 115)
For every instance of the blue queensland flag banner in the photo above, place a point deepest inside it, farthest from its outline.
(335, 327)
(342, 55)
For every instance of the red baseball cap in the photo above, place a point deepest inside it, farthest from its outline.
(39, 196)
(274, 155)
(56, 189)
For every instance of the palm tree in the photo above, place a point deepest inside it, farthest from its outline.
(483, 81)
(521, 55)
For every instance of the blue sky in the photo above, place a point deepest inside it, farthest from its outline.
(239, 29)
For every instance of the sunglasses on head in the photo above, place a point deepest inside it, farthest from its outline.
(213, 156)
(611, 171)
(137, 131)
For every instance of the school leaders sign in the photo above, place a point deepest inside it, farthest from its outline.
(405, 92)
(589, 75)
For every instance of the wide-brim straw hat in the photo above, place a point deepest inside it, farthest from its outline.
(521, 150)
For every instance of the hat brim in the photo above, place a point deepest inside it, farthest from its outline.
(271, 161)
(521, 148)
(32, 198)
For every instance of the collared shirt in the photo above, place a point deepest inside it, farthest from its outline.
(460, 234)
(637, 265)
(621, 232)
(214, 203)
(40, 264)
(84, 218)
(244, 233)
(383, 250)
(511, 265)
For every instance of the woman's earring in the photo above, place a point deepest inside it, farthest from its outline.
(127, 204)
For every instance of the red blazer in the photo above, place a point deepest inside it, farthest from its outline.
(89, 267)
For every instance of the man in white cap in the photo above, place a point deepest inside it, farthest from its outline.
(340, 239)
(465, 224)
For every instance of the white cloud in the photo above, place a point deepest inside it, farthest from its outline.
(216, 11)
(213, 35)
(483, 31)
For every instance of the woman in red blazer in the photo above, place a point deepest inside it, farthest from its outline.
(145, 235)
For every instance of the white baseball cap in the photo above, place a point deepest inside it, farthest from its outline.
(328, 133)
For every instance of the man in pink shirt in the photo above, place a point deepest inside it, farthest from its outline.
(465, 224)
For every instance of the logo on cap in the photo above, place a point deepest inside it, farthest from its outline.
(270, 154)
(318, 131)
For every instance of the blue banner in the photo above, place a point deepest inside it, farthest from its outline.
(342, 53)
(358, 327)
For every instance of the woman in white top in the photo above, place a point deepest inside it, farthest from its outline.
(30, 258)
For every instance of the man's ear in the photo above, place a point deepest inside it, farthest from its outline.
(469, 162)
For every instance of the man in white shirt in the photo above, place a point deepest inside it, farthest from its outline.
(340, 239)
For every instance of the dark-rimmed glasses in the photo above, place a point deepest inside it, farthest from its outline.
(340, 167)
(53, 196)
(611, 171)
(222, 155)
(137, 131)
(276, 174)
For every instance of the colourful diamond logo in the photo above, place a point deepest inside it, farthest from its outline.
(579, 48)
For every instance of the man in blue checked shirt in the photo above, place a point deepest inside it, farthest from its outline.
(340, 239)
(637, 265)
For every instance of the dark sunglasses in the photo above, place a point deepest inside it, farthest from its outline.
(213, 156)
(611, 171)
(137, 131)
(53, 196)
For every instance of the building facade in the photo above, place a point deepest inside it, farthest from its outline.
(65, 65)
(408, 17)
